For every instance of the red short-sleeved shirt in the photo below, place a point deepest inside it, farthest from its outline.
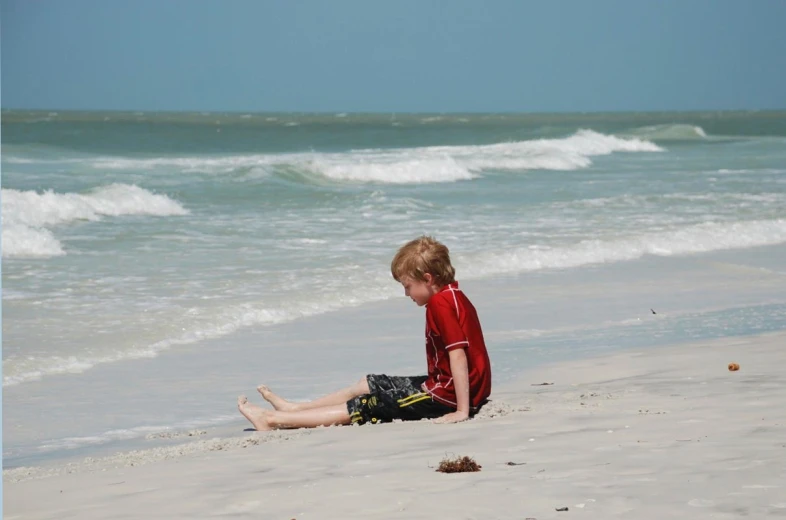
(452, 322)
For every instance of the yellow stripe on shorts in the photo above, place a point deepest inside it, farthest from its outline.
(413, 396)
(412, 399)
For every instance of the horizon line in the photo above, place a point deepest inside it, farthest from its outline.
(405, 113)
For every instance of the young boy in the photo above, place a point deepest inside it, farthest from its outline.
(459, 371)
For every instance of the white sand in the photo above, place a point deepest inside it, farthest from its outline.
(661, 433)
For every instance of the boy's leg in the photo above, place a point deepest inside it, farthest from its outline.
(273, 419)
(395, 397)
(338, 397)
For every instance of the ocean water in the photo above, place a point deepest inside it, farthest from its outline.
(137, 242)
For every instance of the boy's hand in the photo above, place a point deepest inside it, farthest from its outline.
(453, 417)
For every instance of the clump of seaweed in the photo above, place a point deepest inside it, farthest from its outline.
(458, 465)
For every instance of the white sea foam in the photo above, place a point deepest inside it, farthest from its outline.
(453, 163)
(18, 160)
(769, 171)
(68, 443)
(213, 323)
(411, 165)
(28, 215)
(387, 169)
(20, 241)
(728, 200)
(683, 241)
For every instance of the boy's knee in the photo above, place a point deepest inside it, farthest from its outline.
(361, 387)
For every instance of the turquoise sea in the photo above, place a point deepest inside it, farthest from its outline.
(138, 247)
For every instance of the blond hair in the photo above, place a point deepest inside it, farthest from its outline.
(420, 256)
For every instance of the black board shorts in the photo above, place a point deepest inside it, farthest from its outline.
(394, 397)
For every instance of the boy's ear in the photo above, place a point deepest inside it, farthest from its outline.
(428, 278)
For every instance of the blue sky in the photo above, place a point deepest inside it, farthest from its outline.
(402, 56)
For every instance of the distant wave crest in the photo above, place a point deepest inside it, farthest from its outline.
(407, 165)
(29, 215)
(672, 132)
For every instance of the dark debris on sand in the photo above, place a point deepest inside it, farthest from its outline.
(458, 465)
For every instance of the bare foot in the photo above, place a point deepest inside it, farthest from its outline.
(253, 413)
(279, 403)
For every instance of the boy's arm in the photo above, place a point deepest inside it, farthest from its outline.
(460, 372)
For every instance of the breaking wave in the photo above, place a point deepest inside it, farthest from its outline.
(29, 215)
(408, 165)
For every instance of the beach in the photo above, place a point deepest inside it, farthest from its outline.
(653, 433)
(155, 268)
(205, 216)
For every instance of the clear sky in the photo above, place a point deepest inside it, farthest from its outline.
(394, 56)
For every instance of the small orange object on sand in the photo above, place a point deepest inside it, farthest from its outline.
(733, 367)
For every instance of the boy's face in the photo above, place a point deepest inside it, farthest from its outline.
(418, 290)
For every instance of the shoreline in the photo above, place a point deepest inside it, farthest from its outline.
(162, 442)
(617, 428)
(529, 320)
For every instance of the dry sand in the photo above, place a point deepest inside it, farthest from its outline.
(649, 434)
